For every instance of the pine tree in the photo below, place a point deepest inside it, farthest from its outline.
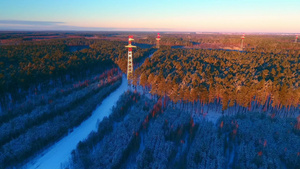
(143, 79)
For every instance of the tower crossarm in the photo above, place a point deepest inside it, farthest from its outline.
(130, 46)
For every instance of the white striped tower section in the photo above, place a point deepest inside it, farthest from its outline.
(130, 62)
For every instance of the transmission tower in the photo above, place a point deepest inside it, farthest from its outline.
(130, 63)
(243, 37)
(157, 40)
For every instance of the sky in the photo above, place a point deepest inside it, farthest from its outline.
(152, 15)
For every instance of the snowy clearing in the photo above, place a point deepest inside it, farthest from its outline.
(60, 152)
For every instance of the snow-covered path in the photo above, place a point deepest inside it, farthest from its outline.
(60, 152)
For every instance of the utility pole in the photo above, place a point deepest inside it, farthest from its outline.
(130, 63)
(157, 40)
(243, 37)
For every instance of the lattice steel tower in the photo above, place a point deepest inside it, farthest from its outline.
(243, 37)
(130, 63)
(157, 40)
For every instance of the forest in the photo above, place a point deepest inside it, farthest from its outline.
(35, 126)
(198, 101)
(49, 87)
(203, 107)
(148, 133)
(253, 80)
(35, 66)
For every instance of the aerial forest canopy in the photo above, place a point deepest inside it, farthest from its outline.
(49, 87)
(228, 77)
(29, 64)
(200, 100)
(205, 68)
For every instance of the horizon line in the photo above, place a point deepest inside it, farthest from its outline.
(113, 30)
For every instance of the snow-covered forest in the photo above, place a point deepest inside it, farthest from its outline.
(49, 89)
(197, 106)
(145, 133)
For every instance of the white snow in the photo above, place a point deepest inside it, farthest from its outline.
(60, 152)
(210, 115)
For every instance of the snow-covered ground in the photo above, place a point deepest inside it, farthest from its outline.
(209, 115)
(60, 152)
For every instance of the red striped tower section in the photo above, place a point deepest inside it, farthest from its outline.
(157, 40)
(130, 63)
(296, 40)
(243, 37)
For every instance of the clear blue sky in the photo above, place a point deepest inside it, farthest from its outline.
(152, 15)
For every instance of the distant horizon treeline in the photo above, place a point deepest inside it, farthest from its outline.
(259, 43)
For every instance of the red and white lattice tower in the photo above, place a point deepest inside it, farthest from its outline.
(296, 40)
(157, 40)
(130, 63)
(243, 37)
